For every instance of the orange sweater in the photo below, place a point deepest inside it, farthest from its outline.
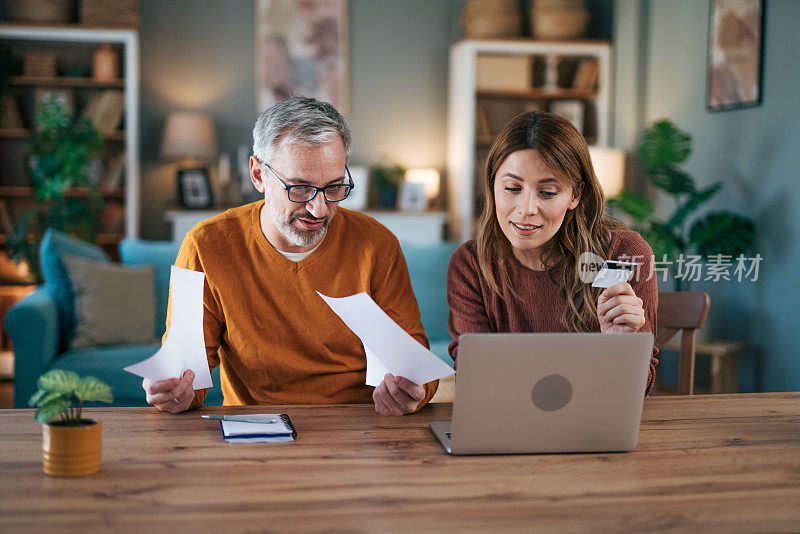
(276, 340)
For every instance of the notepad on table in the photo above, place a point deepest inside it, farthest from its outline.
(240, 432)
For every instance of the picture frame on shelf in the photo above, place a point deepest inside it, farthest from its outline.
(735, 54)
(194, 188)
(572, 110)
(412, 196)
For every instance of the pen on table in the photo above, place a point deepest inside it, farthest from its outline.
(242, 418)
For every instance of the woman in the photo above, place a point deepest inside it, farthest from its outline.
(544, 208)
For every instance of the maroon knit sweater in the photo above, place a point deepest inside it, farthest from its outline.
(474, 307)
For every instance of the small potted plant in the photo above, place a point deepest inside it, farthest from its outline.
(386, 181)
(71, 445)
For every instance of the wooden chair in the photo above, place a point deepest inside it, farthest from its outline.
(684, 311)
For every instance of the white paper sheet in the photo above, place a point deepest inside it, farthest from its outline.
(185, 346)
(389, 348)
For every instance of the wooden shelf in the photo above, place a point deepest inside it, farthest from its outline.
(17, 133)
(73, 192)
(537, 93)
(65, 81)
(102, 239)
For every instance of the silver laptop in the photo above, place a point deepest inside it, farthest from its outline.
(540, 393)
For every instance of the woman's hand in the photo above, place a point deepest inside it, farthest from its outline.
(619, 310)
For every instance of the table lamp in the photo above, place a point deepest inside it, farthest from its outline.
(189, 137)
(609, 167)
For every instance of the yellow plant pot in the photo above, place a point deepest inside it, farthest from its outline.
(70, 451)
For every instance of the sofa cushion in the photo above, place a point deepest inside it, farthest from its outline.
(161, 255)
(55, 245)
(113, 304)
(427, 266)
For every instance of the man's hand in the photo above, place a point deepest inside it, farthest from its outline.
(171, 395)
(397, 396)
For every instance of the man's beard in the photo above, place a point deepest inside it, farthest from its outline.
(297, 236)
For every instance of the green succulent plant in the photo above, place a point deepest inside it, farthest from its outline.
(64, 392)
(663, 149)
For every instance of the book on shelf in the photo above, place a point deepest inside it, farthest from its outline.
(115, 172)
(6, 221)
(105, 110)
(587, 74)
(483, 124)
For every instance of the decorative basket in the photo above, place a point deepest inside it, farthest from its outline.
(559, 19)
(50, 11)
(39, 65)
(491, 18)
(113, 13)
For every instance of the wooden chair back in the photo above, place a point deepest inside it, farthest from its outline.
(683, 311)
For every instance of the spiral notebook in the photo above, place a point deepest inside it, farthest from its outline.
(239, 432)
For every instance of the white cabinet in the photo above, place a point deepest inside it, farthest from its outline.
(515, 76)
(411, 228)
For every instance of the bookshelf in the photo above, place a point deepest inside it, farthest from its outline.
(119, 177)
(491, 81)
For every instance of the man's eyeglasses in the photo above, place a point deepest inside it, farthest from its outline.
(305, 193)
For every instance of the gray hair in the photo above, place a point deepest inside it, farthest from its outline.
(301, 120)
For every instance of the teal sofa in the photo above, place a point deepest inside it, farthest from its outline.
(36, 325)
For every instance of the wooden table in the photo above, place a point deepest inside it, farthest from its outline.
(723, 463)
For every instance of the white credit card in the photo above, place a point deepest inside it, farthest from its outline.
(614, 272)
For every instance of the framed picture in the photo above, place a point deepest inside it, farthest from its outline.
(572, 110)
(412, 196)
(735, 54)
(301, 49)
(194, 188)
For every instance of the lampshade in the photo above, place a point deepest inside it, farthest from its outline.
(609, 166)
(428, 177)
(189, 135)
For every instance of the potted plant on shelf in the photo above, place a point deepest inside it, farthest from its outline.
(386, 181)
(719, 232)
(61, 149)
(71, 445)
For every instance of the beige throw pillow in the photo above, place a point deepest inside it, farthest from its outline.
(114, 305)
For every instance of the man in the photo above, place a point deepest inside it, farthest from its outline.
(276, 340)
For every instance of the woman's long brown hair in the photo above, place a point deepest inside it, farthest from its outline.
(584, 229)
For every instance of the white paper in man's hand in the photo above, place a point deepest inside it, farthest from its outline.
(389, 348)
(185, 346)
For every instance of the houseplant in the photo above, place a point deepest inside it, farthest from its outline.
(71, 445)
(663, 149)
(386, 181)
(61, 149)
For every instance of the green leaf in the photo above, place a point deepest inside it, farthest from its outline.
(52, 408)
(690, 206)
(673, 180)
(59, 380)
(91, 389)
(664, 145)
(632, 204)
(661, 239)
(722, 232)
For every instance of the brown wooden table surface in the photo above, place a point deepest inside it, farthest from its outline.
(724, 463)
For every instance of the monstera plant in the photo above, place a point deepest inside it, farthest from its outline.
(664, 148)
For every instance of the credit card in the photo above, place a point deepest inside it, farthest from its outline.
(614, 272)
